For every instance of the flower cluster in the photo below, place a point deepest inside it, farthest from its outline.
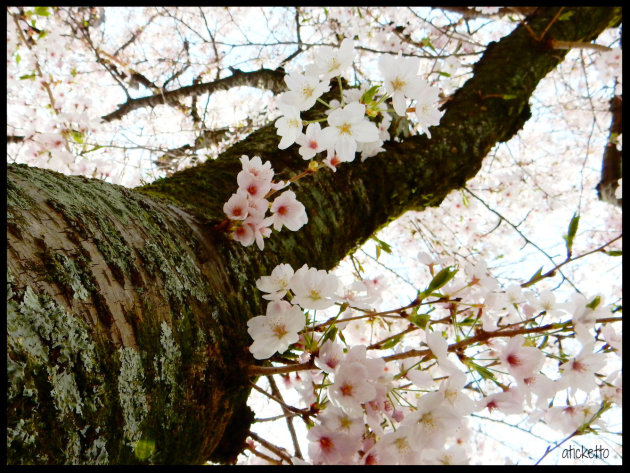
(368, 410)
(351, 129)
(308, 288)
(247, 208)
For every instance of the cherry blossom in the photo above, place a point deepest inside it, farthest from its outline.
(304, 89)
(330, 356)
(427, 112)
(578, 372)
(332, 62)
(289, 125)
(313, 288)
(400, 79)
(277, 283)
(236, 207)
(348, 126)
(330, 447)
(275, 331)
(351, 388)
(311, 142)
(520, 360)
(288, 211)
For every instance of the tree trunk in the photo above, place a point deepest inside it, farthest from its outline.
(127, 309)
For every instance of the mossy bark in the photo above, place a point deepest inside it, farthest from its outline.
(127, 309)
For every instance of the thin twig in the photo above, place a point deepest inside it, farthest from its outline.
(275, 449)
(288, 417)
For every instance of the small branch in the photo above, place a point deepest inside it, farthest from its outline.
(556, 44)
(483, 336)
(263, 78)
(277, 450)
(280, 401)
(552, 271)
(263, 456)
(255, 370)
(527, 240)
(288, 417)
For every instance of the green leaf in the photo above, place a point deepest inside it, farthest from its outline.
(571, 232)
(536, 275)
(93, 149)
(392, 342)
(565, 16)
(427, 43)
(484, 372)
(329, 335)
(368, 95)
(613, 252)
(41, 11)
(465, 200)
(17, 58)
(77, 136)
(381, 246)
(594, 303)
(28, 76)
(509, 96)
(420, 320)
(440, 279)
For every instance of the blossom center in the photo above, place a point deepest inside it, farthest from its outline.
(513, 360)
(401, 444)
(578, 366)
(326, 444)
(279, 330)
(346, 389)
(398, 84)
(427, 421)
(345, 128)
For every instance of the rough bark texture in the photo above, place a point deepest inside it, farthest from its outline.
(127, 308)
(612, 159)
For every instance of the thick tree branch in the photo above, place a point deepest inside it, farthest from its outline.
(263, 78)
(611, 161)
(347, 206)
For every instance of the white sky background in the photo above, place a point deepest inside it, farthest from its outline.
(549, 137)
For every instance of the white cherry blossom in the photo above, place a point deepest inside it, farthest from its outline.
(276, 284)
(275, 331)
(347, 127)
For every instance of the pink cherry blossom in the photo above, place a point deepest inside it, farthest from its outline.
(521, 361)
(330, 356)
(311, 142)
(579, 372)
(288, 211)
(351, 388)
(236, 207)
